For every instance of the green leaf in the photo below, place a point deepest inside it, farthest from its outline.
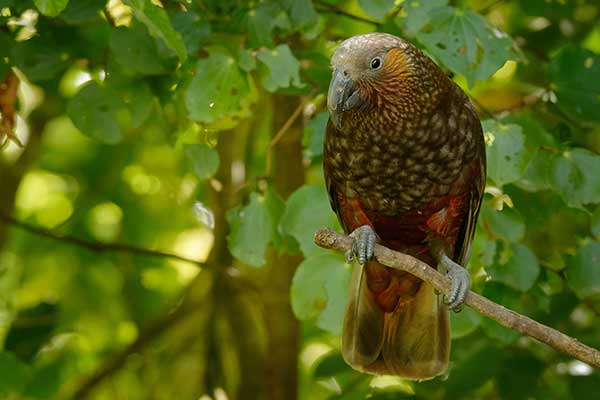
(319, 290)
(93, 111)
(520, 271)
(507, 224)
(508, 298)
(81, 11)
(251, 230)
(418, 14)
(376, 8)
(205, 160)
(218, 92)
(595, 222)
(301, 12)
(307, 210)
(193, 30)
(583, 272)
(39, 60)
(329, 365)
(262, 20)
(14, 374)
(535, 177)
(276, 207)
(136, 51)
(283, 68)
(484, 250)
(51, 8)
(314, 134)
(574, 175)
(46, 380)
(574, 75)
(507, 157)
(247, 60)
(466, 43)
(463, 323)
(469, 374)
(158, 24)
(517, 380)
(139, 100)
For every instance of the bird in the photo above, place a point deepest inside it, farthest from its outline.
(404, 164)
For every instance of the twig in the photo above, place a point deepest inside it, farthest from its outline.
(98, 247)
(332, 9)
(330, 239)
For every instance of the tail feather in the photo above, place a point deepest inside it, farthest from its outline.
(413, 341)
(362, 338)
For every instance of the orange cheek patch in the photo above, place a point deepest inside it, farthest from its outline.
(396, 62)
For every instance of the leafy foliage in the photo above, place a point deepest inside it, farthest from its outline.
(153, 124)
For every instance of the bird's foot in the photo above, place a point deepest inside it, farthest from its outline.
(460, 283)
(363, 245)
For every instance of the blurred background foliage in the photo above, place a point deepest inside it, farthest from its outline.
(156, 222)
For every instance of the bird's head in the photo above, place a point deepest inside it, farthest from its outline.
(382, 70)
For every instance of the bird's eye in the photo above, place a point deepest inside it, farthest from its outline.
(376, 63)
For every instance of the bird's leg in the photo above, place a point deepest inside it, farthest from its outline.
(363, 244)
(460, 282)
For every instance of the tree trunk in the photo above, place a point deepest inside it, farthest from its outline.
(283, 329)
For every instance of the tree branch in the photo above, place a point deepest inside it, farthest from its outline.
(330, 239)
(97, 247)
(323, 6)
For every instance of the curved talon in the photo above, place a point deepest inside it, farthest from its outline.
(460, 283)
(363, 244)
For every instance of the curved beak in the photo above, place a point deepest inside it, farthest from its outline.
(342, 96)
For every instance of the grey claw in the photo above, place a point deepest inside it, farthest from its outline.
(460, 283)
(363, 244)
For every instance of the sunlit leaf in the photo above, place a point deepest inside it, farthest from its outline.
(51, 8)
(467, 43)
(319, 290)
(307, 210)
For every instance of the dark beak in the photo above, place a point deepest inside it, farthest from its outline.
(342, 96)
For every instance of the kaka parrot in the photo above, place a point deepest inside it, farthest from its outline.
(404, 164)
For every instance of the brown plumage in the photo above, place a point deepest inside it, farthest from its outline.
(404, 154)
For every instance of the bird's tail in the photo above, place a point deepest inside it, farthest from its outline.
(412, 341)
